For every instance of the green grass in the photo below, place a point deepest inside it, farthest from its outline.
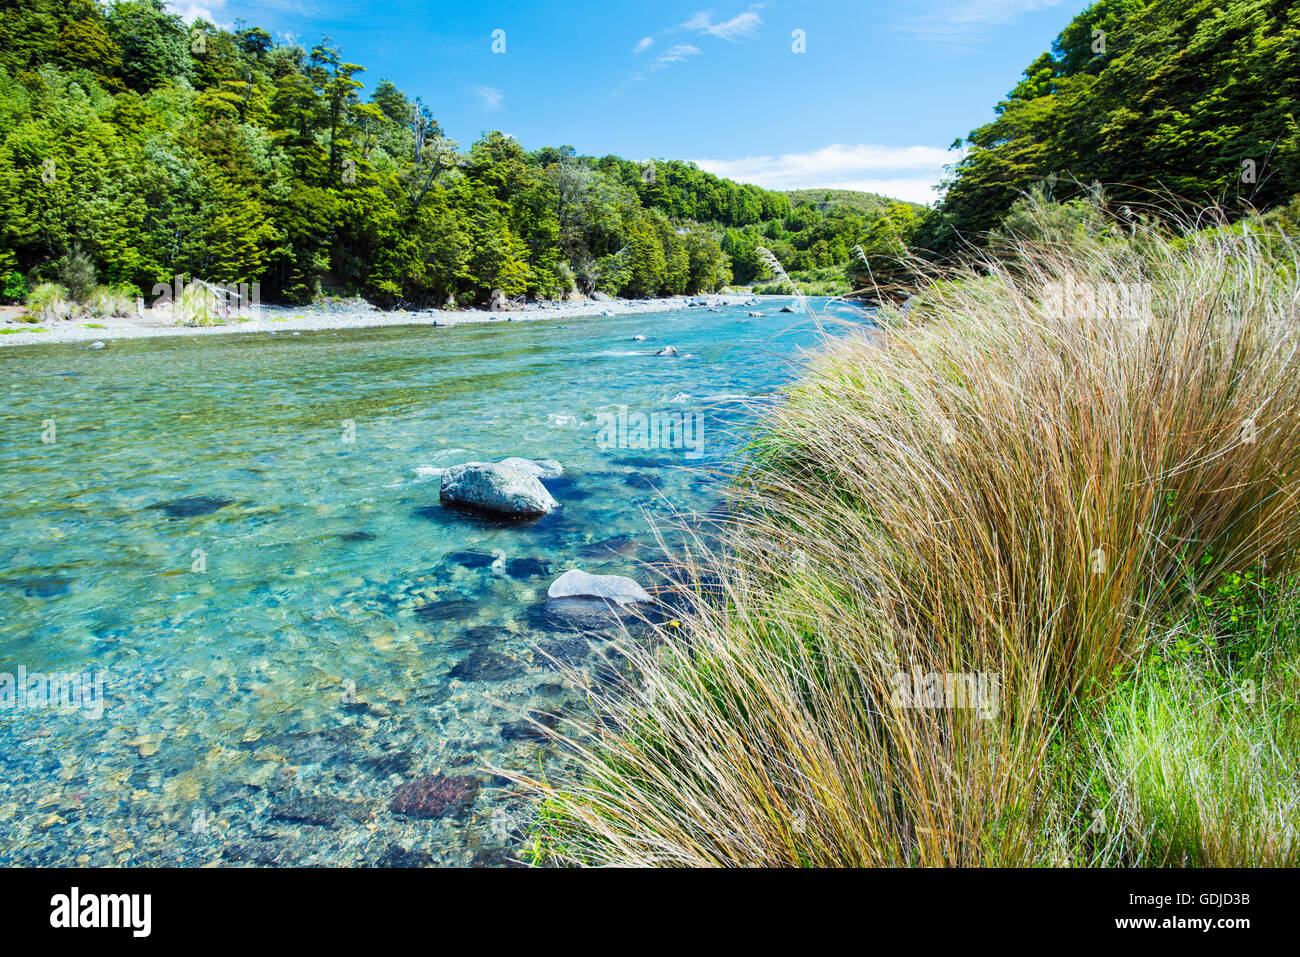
(826, 281)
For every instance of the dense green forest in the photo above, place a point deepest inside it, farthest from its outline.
(154, 148)
(1164, 102)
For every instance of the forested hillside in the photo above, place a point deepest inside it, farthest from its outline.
(157, 148)
(1194, 101)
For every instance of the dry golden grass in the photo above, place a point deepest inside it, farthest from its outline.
(1003, 480)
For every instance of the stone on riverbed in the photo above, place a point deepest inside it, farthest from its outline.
(434, 795)
(576, 583)
(496, 488)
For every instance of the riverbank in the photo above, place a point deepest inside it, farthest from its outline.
(346, 315)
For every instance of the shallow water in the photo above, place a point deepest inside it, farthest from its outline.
(289, 625)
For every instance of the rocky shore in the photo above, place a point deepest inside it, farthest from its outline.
(348, 314)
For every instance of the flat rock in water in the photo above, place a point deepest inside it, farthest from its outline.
(496, 488)
(576, 583)
(434, 795)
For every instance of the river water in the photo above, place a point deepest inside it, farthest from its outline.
(241, 537)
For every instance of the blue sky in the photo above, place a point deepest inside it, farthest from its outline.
(873, 103)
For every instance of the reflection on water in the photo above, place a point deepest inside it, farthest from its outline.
(243, 535)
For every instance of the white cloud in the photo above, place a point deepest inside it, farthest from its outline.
(492, 97)
(190, 11)
(645, 44)
(903, 172)
(742, 25)
(674, 54)
(968, 21)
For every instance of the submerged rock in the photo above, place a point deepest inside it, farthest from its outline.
(576, 583)
(527, 567)
(450, 609)
(434, 795)
(397, 856)
(638, 338)
(487, 665)
(496, 488)
(192, 505)
(667, 351)
(323, 810)
(470, 559)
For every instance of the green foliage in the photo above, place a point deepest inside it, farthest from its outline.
(15, 287)
(165, 150)
(77, 273)
(1169, 104)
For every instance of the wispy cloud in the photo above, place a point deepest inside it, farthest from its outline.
(742, 25)
(903, 172)
(967, 22)
(491, 97)
(995, 12)
(209, 10)
(214, 11)
(674, 54)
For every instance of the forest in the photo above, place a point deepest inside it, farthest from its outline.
(1165, 104)
(153, 149)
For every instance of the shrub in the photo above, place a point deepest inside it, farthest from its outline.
(15, 287)
(76, 271)
(111, 301)
(47, 302)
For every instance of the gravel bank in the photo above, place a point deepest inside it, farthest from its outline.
(348, 315)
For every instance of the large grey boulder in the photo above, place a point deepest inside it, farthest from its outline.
(498, 301)
(576, 583)
(537, 468)
(496, 488)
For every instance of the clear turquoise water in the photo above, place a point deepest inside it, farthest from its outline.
(231, 731)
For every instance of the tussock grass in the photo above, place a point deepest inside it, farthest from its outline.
(1030, 472)
(47, 302)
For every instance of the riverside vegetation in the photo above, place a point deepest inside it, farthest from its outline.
(1095, 505)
